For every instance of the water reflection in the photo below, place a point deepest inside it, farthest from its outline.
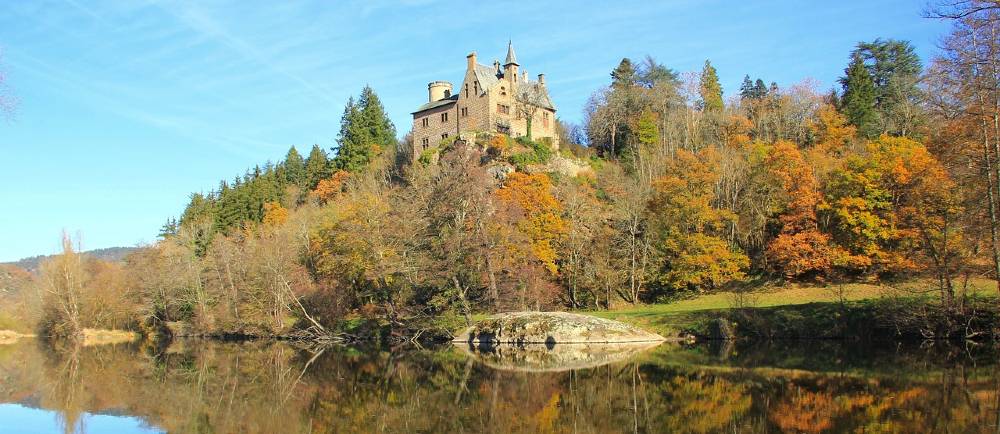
(19, 419)
(273, 387)
(553, 357)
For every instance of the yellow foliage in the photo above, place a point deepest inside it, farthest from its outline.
(540, 214)
(274, 214)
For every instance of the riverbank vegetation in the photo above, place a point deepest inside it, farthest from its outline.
(677, 191)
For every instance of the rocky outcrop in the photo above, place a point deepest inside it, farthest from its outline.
(519, 328)
(570, 167)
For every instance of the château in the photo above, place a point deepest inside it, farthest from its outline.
(491, 99)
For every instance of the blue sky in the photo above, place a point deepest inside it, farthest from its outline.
(126, 107)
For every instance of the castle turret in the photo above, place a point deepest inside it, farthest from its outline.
(438, 90)
(510, 65)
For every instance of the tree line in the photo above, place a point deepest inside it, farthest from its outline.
(891, 175)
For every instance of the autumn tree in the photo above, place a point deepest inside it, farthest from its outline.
(532, 207)
(871, 199)
(685, 229)
(800, 248)
(584, 214)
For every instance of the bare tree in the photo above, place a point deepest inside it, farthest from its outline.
(529, 98)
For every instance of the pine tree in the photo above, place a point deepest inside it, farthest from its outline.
(294, 167)
(710, 89)
(365, 131)
(317, 167)
(624, 76)
(380, 129)
(746, 89)
(895, 72)
(858, 100)
(759, 89)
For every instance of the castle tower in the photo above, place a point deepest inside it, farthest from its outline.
(438, 90)
(510, 65)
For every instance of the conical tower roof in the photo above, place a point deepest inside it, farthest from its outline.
(511, 58)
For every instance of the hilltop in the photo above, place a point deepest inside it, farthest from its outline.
(110, 254)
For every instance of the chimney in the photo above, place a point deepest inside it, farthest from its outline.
(524, 75)
(472, 60)
(496, 65)
(541, 79)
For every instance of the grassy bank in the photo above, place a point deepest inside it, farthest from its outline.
(851, 310)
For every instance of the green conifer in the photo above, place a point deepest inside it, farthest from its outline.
(710, 89)
(858, 100)
(317, 167)
(294, 167)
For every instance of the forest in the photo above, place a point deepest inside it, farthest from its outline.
(891, 174)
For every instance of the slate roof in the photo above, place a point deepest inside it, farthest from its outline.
(489, 76)
(435, 104)
(537, 93)
(511, 58)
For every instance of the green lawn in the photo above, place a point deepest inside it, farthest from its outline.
(669, 319)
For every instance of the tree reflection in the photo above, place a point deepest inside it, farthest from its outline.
(265, 387)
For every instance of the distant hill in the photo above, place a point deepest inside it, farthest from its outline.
(112, 254)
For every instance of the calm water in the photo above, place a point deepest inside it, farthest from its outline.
(268, 387)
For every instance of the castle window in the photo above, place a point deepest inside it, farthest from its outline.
(424, 122)
(466, 90)
(444, 136)
(444, 117)
(503, 109)
(425, 142)
(503, 129)
(476, 86)
(465, 111)
(503, 91)
(545, 119)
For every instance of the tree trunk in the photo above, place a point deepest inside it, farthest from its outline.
(465, 303)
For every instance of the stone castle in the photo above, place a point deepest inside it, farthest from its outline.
(492, 99)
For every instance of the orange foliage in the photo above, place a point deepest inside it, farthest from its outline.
(329, 188)
(540, 218)
(737, 131)
(800, 248)
(805, 412)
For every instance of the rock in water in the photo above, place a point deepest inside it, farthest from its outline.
(519, 328)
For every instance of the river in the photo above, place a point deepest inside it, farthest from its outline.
(197, 386)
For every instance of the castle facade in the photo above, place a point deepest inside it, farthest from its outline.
(491, 99)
